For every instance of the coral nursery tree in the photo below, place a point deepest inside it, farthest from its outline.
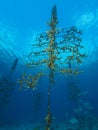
(54, 51)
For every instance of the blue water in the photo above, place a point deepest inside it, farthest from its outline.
(20, 21)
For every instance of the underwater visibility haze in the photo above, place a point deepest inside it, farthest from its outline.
(48, 65)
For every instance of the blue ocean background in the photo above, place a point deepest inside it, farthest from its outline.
(20, 21)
